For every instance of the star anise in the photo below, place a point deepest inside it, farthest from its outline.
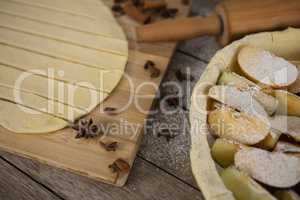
(112, 146)
(86, 129)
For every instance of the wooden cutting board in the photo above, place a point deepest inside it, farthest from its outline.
(86, 156)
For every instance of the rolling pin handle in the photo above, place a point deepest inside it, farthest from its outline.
(179, 29)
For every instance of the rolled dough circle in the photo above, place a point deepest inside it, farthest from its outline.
(58, 61)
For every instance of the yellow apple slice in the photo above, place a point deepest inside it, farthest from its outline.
(295, 87)
(272, 168)
(269, 103)
(266, 68)
(286, 147)
(244, 187)
(286, 195)
(270, 141)
(288, 103)
(288, 125)
(237, 126)
(223, 151)
(239, 99)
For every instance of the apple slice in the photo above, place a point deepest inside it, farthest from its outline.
(223, 151)
(272, 168)
(237, 126)
(288, 103)
(295, 87)
(288, 125)
(239, 99)
(244, 187)
(267, 101)
(270, 141)
(286, 147)
(286, 195)
(264, 67)
(231, 78)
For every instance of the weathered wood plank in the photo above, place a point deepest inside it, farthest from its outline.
(15, 185)
(172, 156)
(145, 182)
(203, 47)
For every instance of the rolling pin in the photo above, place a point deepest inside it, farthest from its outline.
(231, 20)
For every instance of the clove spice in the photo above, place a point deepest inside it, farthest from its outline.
(185, 2)
(119, 1)
(118, 9)
(143, 11)
(137, 3)
(149, 64)
(110, 110)
(120, 166)
(154, 72)
(136, 13)
(112, 146)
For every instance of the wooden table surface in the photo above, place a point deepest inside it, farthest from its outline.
(161, 169)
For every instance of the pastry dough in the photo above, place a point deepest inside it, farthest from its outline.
(61, 50)
(70, 53)
(102, 80)
(36, 122)
(72, 95)
(97, 26)
(35, 102)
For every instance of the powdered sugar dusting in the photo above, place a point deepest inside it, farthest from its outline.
(270, 69)
(274, 169)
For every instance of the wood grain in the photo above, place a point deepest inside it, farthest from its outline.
(15, 185)
(86, 157)
(246, 17)
(189, 28)
(173, 156)
(145, 182)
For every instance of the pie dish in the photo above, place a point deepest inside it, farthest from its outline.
(206, 172)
